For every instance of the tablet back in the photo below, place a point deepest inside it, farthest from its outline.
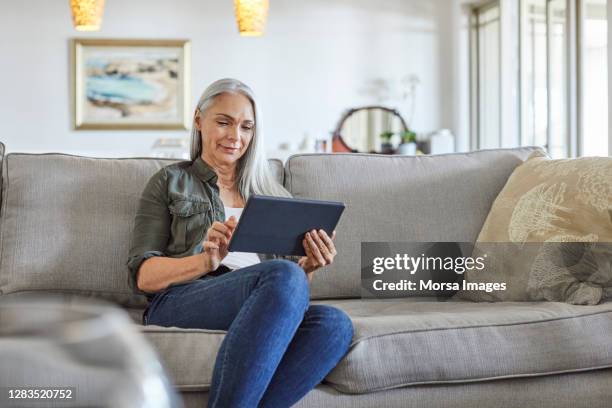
(276, 225)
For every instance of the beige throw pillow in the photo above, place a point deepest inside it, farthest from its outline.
(544, 205)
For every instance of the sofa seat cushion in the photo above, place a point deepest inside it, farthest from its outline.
(188, 355)
(399, 343)
(403, 342)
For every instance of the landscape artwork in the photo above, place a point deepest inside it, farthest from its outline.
(131, 84)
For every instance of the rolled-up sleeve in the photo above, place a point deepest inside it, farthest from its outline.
(151, 226)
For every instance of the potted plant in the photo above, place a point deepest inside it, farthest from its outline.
(408, 144)
(386, 145)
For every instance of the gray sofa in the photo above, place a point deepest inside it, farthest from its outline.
(66, 223)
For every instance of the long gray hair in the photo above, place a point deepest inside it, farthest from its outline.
(253, 173)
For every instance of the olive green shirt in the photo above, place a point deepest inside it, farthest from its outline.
(178, 205)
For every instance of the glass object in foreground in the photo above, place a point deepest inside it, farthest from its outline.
(91, 348)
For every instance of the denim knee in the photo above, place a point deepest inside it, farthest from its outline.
(289, 282)
(334, 324)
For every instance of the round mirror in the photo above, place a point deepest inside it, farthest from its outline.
(368, 130)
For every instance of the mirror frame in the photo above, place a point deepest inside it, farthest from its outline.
(339, 145)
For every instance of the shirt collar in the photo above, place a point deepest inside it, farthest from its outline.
(204, 171)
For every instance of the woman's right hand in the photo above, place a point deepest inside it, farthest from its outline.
(216, 243)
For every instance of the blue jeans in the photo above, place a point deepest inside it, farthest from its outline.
(277, 347)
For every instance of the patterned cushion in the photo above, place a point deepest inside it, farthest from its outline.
(545, 205)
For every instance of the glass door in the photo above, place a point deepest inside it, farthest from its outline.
(594, 53)
(487, 75)
(558, 81)
(534, 73)
(544, 75)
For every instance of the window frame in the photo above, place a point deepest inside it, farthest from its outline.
(475, 88)
(573, 81)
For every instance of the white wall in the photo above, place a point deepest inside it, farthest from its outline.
(313, 63)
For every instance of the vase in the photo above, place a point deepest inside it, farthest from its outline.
(407, 149)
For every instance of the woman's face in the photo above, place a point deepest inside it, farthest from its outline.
(226, 127)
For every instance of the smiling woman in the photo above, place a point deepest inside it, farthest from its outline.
(228, 126)
(278, 347)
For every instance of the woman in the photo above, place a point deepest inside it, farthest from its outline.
(277, 347)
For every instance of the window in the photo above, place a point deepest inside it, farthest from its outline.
(558, 79)
(595, 79)
(562, 75)
(544, 75)
(534, 76)
(487, 74)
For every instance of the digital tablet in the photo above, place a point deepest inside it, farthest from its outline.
(277, 225)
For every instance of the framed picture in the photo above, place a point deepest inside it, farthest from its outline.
(131, 84)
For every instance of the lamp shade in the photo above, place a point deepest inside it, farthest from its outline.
(87, 14)
(251, 16)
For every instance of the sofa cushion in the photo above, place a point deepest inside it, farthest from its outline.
(67, 223)
(588, 389)
(1, 159)
(399, 199)
(401, 342)
(404, 342)
(188, 355)
(552, 202)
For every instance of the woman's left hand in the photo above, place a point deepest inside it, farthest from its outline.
(320, 251)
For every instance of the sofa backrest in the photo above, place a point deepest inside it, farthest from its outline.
(67, 221)
(1, 159)
(398, 199)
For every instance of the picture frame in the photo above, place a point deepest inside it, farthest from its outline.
(131, 84)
